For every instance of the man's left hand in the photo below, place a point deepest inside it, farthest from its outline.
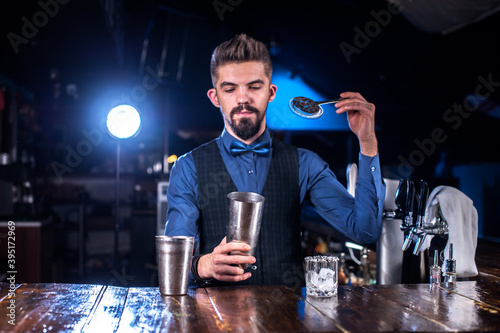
(361, 118)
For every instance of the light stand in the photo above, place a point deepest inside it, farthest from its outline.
(123, 122)
(117, 206)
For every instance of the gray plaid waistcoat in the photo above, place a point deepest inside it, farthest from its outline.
(278, 253)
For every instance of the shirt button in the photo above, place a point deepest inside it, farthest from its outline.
(253, 267)
(373, 168)
(250, 171)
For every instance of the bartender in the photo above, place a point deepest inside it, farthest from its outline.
(245, 157)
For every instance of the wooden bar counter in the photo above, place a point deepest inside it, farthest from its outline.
(468, 306)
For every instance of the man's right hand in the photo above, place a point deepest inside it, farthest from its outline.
(222, 266)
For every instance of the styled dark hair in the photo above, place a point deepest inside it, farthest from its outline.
(240, 49)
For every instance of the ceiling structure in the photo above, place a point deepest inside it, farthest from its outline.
(417, 64)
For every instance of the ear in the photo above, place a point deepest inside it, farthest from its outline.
(272, 92)
(212, 95)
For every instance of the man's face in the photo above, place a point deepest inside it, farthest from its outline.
(242, 93)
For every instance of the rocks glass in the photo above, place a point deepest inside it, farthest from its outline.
(322, 275)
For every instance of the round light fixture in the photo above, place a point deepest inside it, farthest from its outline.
(123, 121)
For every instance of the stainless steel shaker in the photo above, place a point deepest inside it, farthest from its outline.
(174, 255)
(245, 217)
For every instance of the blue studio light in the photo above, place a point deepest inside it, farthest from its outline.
(123, 122)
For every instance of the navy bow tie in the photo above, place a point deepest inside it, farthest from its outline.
(261, 148)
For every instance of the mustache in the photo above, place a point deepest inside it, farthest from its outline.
(242, 107)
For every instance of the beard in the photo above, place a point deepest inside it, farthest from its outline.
(245, 128)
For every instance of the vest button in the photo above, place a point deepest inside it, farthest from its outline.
(253, 267)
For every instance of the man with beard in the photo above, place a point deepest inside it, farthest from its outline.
(245, 158)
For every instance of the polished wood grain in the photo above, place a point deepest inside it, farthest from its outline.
(467, 306)
(356, 308)
(488, 257)
(50, 307)
(107, 313)
(258, 309)
(148, 311)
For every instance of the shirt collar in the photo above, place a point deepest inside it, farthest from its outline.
(228, 138)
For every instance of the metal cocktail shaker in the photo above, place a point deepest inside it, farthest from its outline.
(245, 216)
(174, 255)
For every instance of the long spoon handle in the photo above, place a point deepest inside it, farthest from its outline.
(329, 102)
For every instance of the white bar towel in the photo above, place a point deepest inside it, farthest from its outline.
(460, 214)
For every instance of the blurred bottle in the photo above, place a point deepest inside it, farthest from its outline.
(344, 275)
(365, 266)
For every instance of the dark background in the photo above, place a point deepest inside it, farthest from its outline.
(85, 57)
(413, 76)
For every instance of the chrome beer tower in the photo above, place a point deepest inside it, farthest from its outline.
(406, 212)
(420, 227)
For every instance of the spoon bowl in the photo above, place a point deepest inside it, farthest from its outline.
(307, 108)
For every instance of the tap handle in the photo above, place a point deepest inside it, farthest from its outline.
(400, 196)
(422, 203)
(404, 196)
(410, 197)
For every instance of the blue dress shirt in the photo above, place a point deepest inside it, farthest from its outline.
(358, 217)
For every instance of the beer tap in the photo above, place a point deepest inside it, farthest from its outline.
(422, 203)
(415, 225)
(421, 227)
(404, 200)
